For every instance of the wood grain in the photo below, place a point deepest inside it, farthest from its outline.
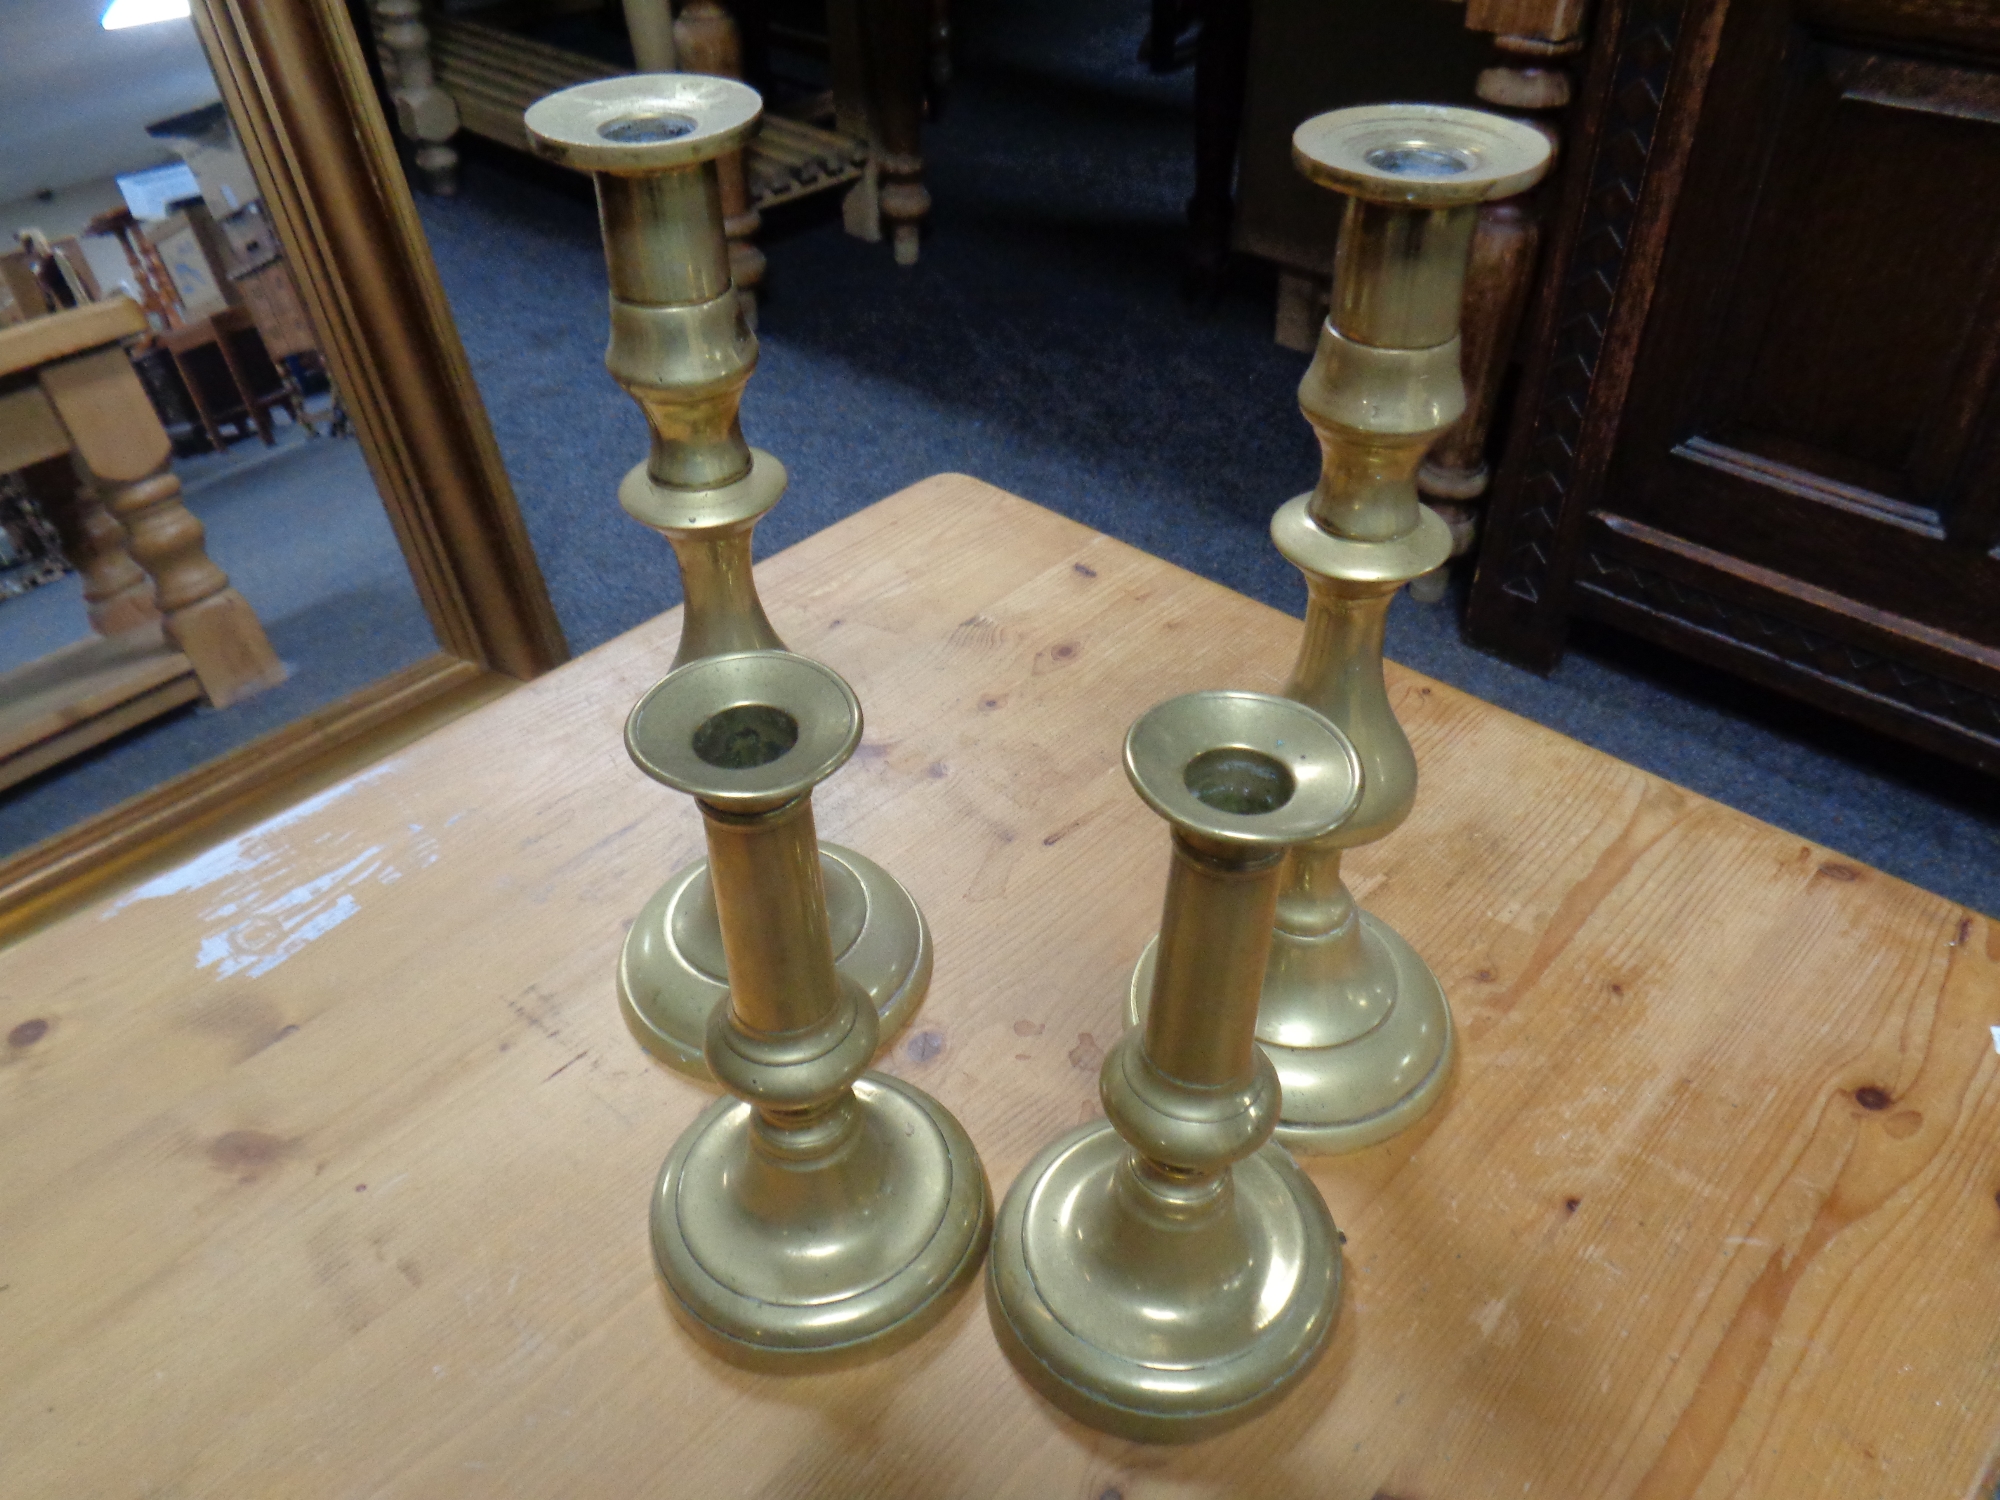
(84, 693)
(1771, 337)
(327, 1156)
(59, 335)
(29, 430)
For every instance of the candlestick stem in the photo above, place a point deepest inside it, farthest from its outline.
(683, 350)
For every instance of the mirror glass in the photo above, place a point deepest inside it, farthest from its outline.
(123, 661)
(519, 254)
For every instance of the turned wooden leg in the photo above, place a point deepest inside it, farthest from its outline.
(117, 591)
(425, 113)
(117, 594)
(895, 54)
(115, 431)
(707, 41)
(1505, 250)
(861, 205)
(212, 624)
(199, 402)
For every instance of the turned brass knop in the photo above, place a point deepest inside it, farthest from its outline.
(1167, 1272)
(683, 350)
(822, 1212)
(1354, 1020)
(680, 344)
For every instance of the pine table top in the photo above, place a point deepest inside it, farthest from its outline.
(327, 1156)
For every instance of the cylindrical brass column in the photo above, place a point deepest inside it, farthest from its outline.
(822, 1212)
(682, 349)
(1167, 1272)
(1354, 1020)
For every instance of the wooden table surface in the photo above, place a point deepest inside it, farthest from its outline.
(326, 1156)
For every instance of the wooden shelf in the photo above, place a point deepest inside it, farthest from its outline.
(84, 694)
(494, 76)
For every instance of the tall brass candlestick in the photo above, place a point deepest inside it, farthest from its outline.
(1168, 1272)
(822, 1212)
(682, 349)
(1354, 1020)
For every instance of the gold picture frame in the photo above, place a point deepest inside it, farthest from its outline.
(298, 89)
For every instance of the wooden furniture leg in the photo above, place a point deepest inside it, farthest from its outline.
(1221, 66)
(889, 41)
(1527, 78)
(260, 411)
(425, 113)
(100, 401)
(149, 272)
(706, 41)
(261, 383)
(117, 594)
(860, 205)
(199, 400)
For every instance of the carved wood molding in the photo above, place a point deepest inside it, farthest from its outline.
(1589, 291)
(1893, 683)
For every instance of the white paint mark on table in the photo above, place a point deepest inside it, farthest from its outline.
(276, 929)
(279, 887)
(1996, 1038)
(246, 852)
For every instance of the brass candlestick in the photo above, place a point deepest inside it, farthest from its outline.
(682, 350)
(1167, 1272)
(1354, 1020)
(823, 1211)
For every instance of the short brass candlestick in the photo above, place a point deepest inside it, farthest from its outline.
(682, 350)
(1167, 1272)
(1354, 1020)
(822, 1212)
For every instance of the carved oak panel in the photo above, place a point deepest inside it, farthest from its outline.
(1802, 240)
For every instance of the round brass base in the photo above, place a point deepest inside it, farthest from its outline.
(672, 970)
(801, 1263)
(1359, 1031)
(1154, 1315)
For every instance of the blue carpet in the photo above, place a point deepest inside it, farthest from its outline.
(1041, 346)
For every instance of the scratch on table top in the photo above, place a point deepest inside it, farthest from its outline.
(1495, 1321)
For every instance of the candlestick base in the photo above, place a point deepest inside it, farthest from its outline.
(672, 972)
(1154, 1311)
(788, 1254)
(1357, 1027)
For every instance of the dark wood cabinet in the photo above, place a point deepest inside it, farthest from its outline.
(1761, 422)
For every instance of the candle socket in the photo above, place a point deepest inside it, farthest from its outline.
(1167, 1272)
(682, 348)
(1352, 1017)
(823, 1213)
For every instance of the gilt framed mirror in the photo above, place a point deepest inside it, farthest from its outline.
(303, 110)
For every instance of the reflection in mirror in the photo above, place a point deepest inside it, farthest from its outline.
(518, 248)
(157, 368)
